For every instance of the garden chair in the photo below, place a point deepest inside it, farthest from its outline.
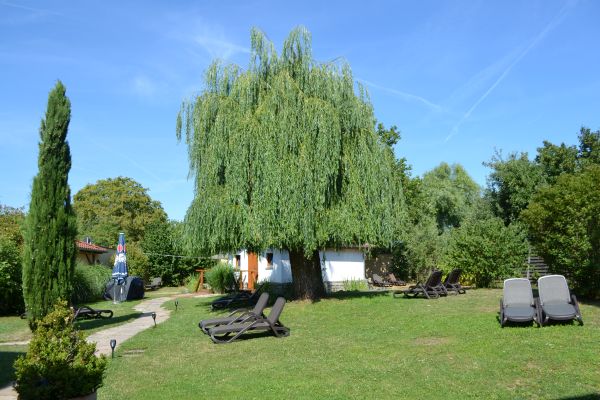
(432, 288)
(87, 312)
(238, 316)
(556, 302)
(379, 281)
(452, 282)
(395, 282)
(154, 284)
(517, 303)
(221, 334)
(240, 299)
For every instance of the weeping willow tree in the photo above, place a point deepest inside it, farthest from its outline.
(285, 155)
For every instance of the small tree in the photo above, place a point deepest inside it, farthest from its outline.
(59, 363)
(50, 227)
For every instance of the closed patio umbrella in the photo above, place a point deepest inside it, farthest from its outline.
(119, 273)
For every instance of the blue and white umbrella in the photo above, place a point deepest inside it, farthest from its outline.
(119, 273)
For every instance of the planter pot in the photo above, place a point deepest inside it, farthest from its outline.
(91, 396)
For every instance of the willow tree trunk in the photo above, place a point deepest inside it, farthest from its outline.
(307, 276)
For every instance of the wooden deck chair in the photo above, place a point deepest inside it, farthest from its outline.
(517, 303)
(222, 333)
(238, 316)
(556, 302)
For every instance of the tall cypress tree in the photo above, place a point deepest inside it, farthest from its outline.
(285, 155)
(50, 229)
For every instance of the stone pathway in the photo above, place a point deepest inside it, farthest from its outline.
(120, 333)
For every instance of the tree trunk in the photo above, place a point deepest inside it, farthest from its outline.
(307, 276)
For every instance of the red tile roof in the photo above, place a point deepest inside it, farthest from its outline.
(91, 248)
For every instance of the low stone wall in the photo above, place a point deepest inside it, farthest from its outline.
(336, 286)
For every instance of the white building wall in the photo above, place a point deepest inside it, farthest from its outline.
(341, 265)
(280, 272)
(337, 265)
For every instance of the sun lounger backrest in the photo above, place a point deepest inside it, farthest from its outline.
(454, 276)
(554, 289)
(276, 310)
(261, 303)
(517, 291)
(377, 279)
(434, 279)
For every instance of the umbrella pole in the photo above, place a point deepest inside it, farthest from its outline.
(115, 293)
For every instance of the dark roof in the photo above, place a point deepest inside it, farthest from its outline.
(90, 248)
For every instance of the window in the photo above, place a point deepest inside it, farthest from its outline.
(269, 260)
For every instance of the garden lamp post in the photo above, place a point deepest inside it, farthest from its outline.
(154, 318)
(113, 344)
(176, 304)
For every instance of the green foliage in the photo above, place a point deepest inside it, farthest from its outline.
(191, 281)
(556, 160)
(11, 222)
(89, 282)
(220, 278)
(512, 183)
(11, 247)
(59, 364)
(450, 194)
(564, 225)
(116, 205)
(486, 250)
(50, 227)
(158, 240)
(11, 292)
(284, 154)
(421, 251)
(355, 285)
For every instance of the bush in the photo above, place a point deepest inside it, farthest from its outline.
(564, 225)
(221, 278)
(486, 250)
(59, 364)
(11, 292)
(89, 282)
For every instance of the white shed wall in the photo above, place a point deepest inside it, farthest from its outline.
(341, 265)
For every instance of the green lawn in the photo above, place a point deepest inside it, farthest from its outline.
(15, 329)
(365, 347)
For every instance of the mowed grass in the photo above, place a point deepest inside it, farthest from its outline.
(364, 347)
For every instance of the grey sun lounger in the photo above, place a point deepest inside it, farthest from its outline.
(223, 333)
(238, 316)
(517, 303)
(556, 302)
(86, 312)
(432, 288)
(452, 282)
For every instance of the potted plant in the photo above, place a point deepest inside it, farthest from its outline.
(59, 364)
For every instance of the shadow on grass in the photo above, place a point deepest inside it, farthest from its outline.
(591, 396)
(102, 322)
(7, 358)
(344, 295)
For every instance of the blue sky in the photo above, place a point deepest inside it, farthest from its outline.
(458, 78)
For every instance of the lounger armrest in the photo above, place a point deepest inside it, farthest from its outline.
(242, 310)
(575, 303)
